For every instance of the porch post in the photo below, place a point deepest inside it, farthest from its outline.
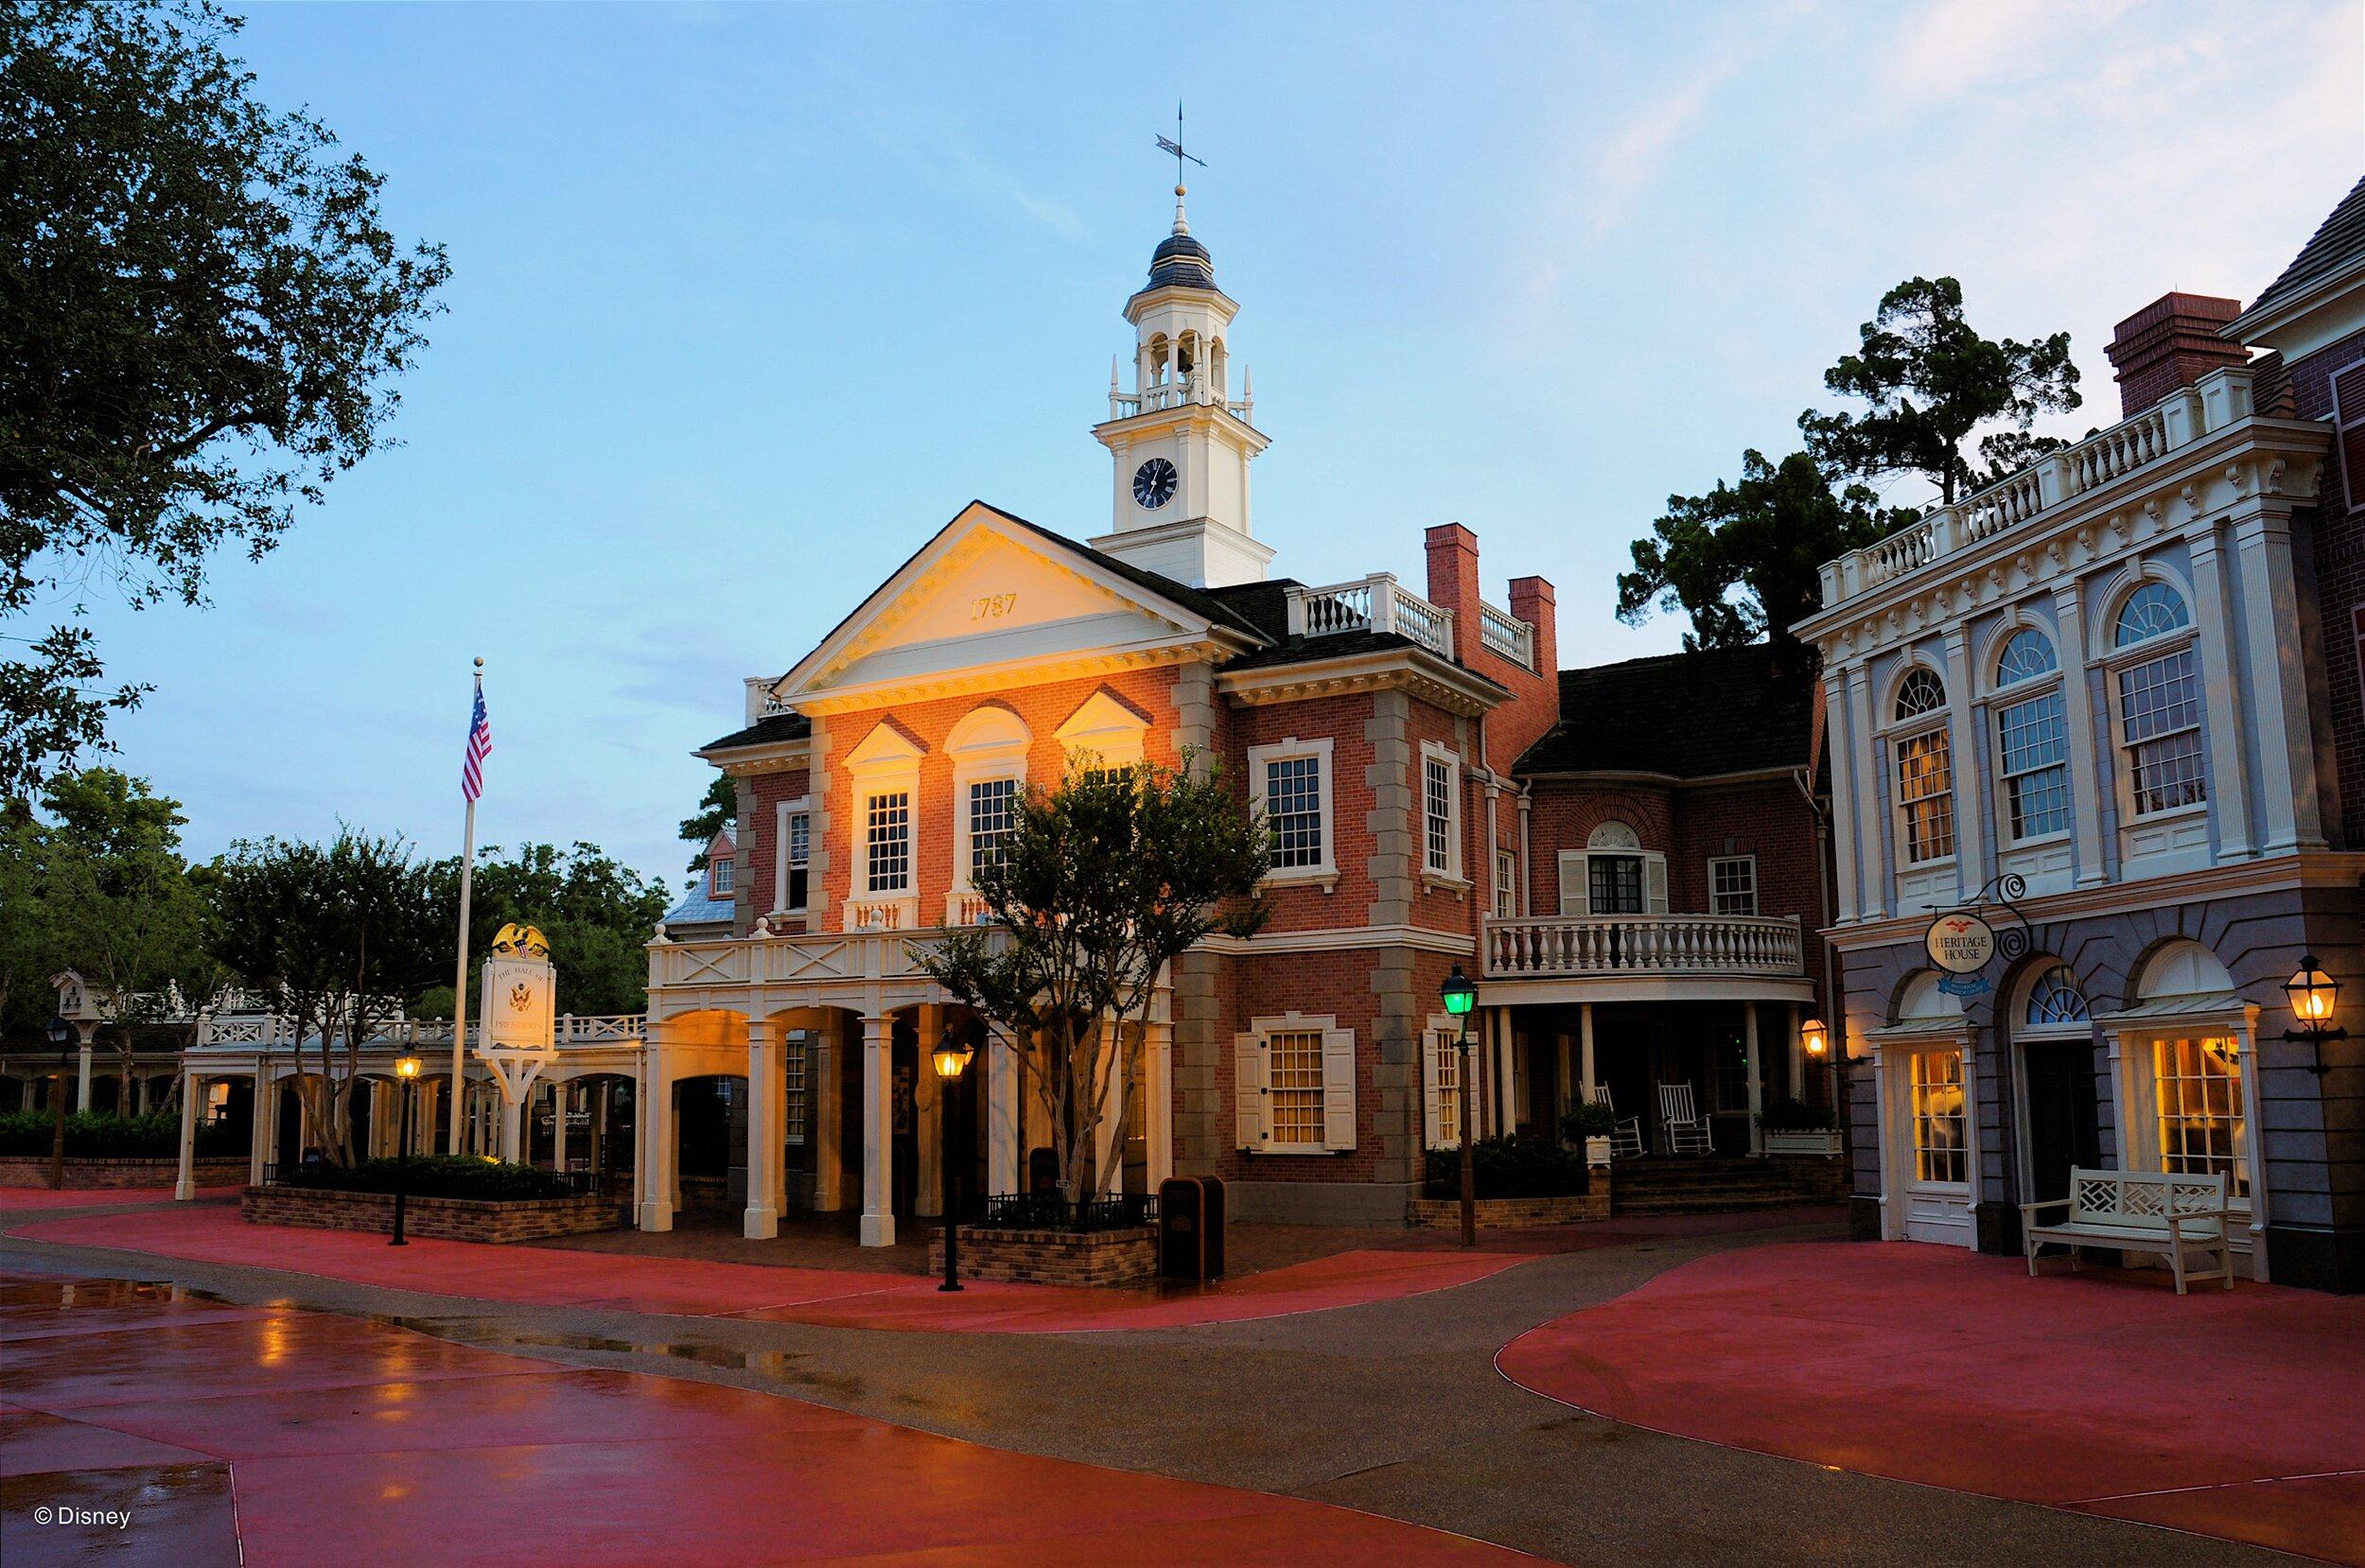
(1002, 1076)
(1797, 1057)
(1158, 1099)
(597, 1134)
(878, 1131)
(1564, 1078)
(654, 1175)
(265, 1121)
(558, 1126)
(1585, 1046)
(767, 1085)
(1509, 1122)
(825, 1063)
(1756, 1076)
(927, 1118)
(185, 1184)
(81, 1089)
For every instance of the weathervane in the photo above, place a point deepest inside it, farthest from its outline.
(1175, 145)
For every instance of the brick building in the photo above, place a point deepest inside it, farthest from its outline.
(2112, 705)
(1439, 792)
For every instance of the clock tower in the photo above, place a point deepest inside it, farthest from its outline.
(1180, 438)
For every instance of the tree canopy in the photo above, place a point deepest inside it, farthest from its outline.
(1931, 380)
(597, 913)
(717, 808)
(204, 322)
(1098, 885)
(1743, 560)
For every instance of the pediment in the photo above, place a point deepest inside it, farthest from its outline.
(987, 594)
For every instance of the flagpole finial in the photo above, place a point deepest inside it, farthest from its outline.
(480, 661)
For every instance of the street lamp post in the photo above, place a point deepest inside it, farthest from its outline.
(408, 1070)
(62, 1034)
(1460, 995)
(951, 1059)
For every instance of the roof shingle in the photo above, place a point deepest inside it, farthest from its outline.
(1697, 715)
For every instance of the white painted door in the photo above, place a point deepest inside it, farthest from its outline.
(1938, 1152)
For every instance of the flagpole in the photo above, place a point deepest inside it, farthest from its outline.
(460, 978)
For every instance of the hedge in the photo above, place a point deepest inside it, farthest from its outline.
(91, 1134)
(439, 1175)
(1510, 1168)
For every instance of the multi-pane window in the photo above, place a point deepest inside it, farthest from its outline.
(1294, 1085)
(2201, 1131)
(1939, 1151)
(800, 858)
(718, 876)
(1733, 885)
(2026, 656)
(1920, 692)
(1614, 883)
(1445, 1046)
(1506, 885)
(1293, 808)
(793, 1104)
(993, 813)
(1437, 814)
(2032, 739)
(2159, 721)
(2055, 998)
(2150, 611)
(1925, 795)
(888, 841)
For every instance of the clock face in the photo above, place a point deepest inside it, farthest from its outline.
(1153, 483)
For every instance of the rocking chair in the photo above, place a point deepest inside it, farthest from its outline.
(1625, 1140)
(1687, 1129)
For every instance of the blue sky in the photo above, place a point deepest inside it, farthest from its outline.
(749, 299)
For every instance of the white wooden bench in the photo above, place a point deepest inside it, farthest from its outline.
(2181, 1217)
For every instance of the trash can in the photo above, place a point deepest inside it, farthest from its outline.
(1190, 1228)
(1043, 1172)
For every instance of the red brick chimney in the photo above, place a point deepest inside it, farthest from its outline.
(2169, 343)
(1453, 579)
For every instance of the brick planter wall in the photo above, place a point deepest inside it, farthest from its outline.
(1052, 1256)
(1817, 1176)
(1512, 1213)
(118, 1174)
(450, 1219)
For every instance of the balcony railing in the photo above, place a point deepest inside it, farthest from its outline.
(818, 958)
(1507, 634)
(1574, 946)
(278, 1030)
(1193, 391)
(2216, 401)
(1378, 603)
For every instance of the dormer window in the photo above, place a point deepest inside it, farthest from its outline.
(719, 877)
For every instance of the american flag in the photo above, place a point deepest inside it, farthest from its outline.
(480, 742)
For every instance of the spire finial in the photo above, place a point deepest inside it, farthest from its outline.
(1181, 225)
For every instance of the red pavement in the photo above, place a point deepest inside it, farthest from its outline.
(213, 1232)
(272, 1435)
(2234, 1414)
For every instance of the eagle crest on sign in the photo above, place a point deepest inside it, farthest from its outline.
(519, 938)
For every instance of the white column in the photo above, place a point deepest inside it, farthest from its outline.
(1798, 1054)
(512, 1122)
(1757, 1069)
(878, 1132)
(1868, 796)
(656, 1153)
(1002, 1082)
(81, 1091)
(2278, 663)
(558, 1128)
(1966, 719)
(766, 1086)
(2069, 613)
(928, 1116)
(1838, 759)
(1585, 1047)
(185, 1184)
(1509, 1122)
(1158, 1100)
(266, 1122)
(2229, 793)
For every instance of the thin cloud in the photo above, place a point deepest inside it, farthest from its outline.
(929, 144)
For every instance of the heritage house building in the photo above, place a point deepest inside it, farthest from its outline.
(1638, 907)
(2119, 692)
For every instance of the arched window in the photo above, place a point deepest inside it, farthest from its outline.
(1614, 871)
(2026, 656)
(2055, 998)
(1920, 692)
(1925, 771)
(2159, 705)
(2150, 610)
(2032, 741)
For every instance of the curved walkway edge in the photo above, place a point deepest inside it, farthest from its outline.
(2232, 1414)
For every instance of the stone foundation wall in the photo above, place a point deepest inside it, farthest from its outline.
(1512, 1213)
(120, 1175)
(449, 1219)
(1052, 1256)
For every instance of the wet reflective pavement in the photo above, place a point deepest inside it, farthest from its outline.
(176, 1427)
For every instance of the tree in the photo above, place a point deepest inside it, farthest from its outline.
(339, 940)
(202, 325)
(596, 911)
(1932, 381)
(717, 808)
(1098, 886)
(1744, 560)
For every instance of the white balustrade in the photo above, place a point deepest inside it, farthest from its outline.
(1376, 603)
(1507, 634)
(1568, 946)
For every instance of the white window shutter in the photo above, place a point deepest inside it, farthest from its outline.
(1338, 1090)
(1575, 897)
(1433, 1123)
(1655, 883)
(1248, 1090)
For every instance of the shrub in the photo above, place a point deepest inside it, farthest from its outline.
(433, 1177)
(1797, 1116)
(1509, 1168)
(1589, 1120)
(90, 1135)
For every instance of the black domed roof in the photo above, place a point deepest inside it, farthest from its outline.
(1184, 261)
